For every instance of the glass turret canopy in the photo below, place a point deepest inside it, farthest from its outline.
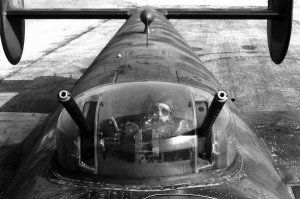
(139, 129)
(142, 126)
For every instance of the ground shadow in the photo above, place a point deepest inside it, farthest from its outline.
(37, 95)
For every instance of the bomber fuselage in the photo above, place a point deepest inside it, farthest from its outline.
(238, 166)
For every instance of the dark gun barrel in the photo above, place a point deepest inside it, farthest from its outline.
(214, 109)
(65, 98)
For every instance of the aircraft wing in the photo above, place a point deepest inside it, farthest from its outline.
(281, 132)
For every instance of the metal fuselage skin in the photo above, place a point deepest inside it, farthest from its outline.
(167, 58)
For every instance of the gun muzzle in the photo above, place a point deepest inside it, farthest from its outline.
(214, 109)
(65, 98)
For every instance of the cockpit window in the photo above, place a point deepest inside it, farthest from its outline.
(147, 127)
(144, 129)
(167, 110)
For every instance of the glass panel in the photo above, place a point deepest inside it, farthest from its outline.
(168, 109)
(145, 156)
(87, 139)
(144, 127)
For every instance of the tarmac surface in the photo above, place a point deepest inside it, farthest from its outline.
(57, 52)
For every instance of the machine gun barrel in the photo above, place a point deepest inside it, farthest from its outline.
(65, 98)
(214, 109)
